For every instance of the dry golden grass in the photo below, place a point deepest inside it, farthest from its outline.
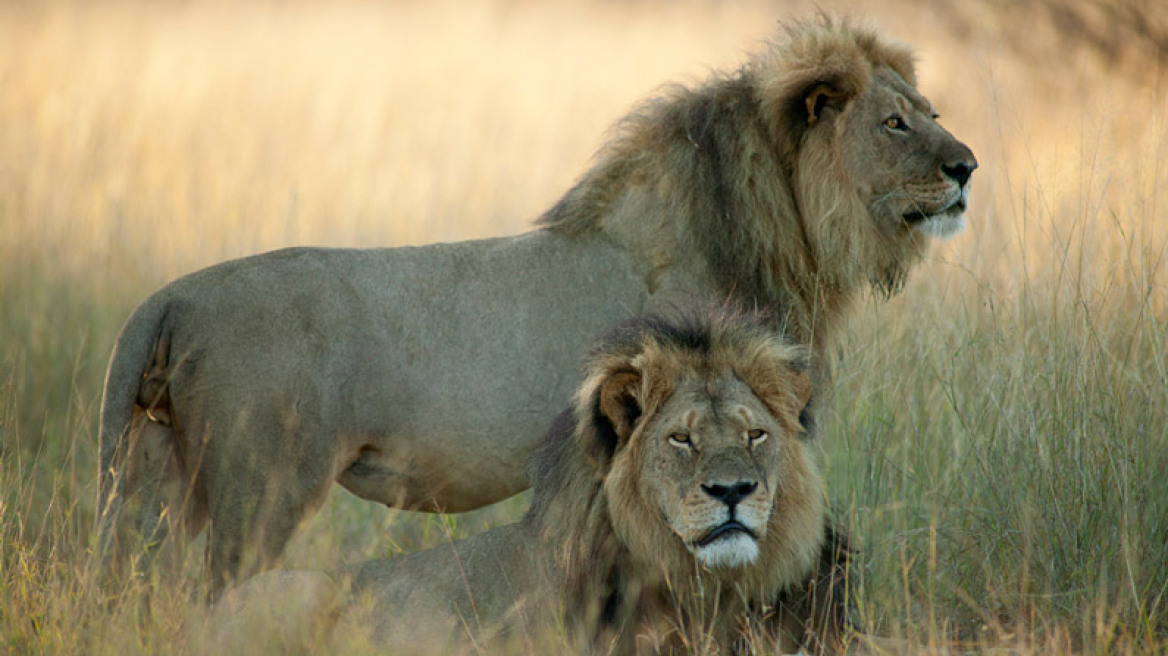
(999, 436)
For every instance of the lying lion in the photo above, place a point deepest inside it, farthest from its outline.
(424, 377)
(677, 504)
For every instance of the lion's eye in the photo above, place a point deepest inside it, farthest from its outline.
(756, 435)
(895, 122)
(680, 439)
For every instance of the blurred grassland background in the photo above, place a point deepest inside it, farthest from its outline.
(998, 440)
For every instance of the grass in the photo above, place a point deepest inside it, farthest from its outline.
(998, 441)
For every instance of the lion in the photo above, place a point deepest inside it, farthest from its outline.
(423, 377)
(676, 503)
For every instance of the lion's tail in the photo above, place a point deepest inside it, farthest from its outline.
(141, 341)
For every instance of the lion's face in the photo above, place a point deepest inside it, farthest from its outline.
(711, 462)
(908, 170)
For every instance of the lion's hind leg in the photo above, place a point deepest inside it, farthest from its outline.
(259, 492)
(154, 510)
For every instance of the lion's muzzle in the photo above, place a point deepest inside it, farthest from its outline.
(733, 542)
(938, 208)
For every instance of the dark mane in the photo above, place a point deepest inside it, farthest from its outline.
(695, 142)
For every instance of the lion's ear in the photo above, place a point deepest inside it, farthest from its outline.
(618, 402)
(810, 97)
(610, 409)
(824, 97)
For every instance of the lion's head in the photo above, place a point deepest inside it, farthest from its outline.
(871, 166)
(929, 190)
(684, 467)
(815, 169)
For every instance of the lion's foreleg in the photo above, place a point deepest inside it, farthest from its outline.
(818, 614)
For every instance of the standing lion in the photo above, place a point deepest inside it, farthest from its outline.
(423, 377)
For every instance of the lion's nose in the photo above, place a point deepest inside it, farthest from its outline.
(960, 170)
(731, 494)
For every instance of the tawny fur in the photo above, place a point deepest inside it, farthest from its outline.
(424, 377)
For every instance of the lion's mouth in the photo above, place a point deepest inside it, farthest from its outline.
(917, 217)
(732, 527)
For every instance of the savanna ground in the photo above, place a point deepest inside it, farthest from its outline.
(998, 439)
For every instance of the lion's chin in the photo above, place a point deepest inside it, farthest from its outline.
(736, 549)
(944, 224)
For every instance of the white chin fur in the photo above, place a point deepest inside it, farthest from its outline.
(943, 225)
(735, 550)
